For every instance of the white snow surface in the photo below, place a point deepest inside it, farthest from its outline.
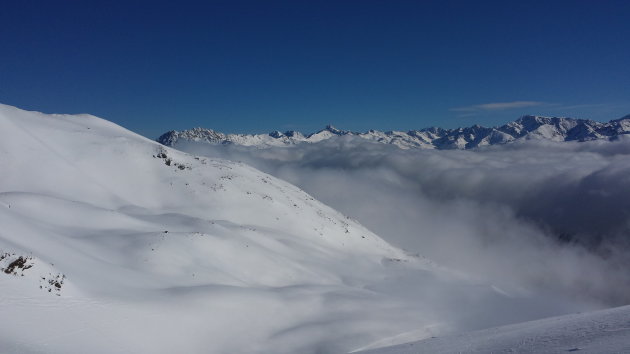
(113, 243)
(597, 332)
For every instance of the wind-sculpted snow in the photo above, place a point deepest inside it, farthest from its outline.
(533, 216)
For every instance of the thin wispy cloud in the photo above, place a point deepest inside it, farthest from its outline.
(583, 106)
(498, 106)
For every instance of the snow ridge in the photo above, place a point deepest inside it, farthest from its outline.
(526, 127)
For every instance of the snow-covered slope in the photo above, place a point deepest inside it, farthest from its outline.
(526, 127)
(597, 332)
(113, 243)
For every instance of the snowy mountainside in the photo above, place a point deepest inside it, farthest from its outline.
(526, 127)
(108, 236)
(113, 243)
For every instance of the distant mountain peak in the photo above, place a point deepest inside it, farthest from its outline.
(626, 117)
(276, 134)
(332, 129)
(525, 127)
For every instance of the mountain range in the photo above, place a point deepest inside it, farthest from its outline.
(526, 127)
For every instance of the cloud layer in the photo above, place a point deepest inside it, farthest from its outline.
(498, 106)
(541, 218)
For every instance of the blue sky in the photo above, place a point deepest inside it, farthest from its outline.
(258, 66)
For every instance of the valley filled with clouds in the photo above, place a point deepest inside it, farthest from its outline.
(531, 217)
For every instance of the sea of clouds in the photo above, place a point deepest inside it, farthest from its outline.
(532, 217)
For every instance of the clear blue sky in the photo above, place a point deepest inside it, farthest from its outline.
(258, 66)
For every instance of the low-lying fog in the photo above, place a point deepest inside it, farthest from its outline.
(532, 217)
